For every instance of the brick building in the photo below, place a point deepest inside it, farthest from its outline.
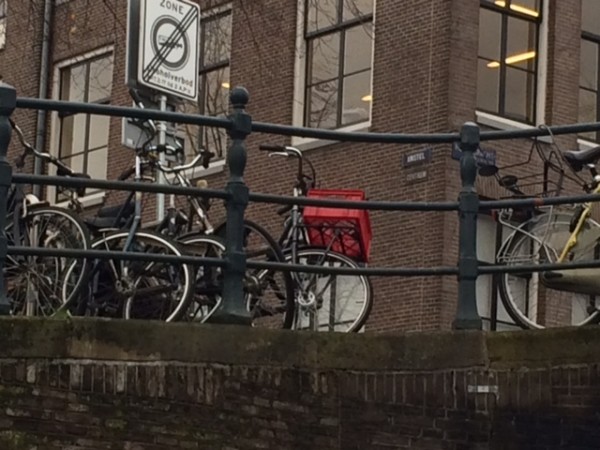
(419, 66)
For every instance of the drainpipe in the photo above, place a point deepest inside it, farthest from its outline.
(40, 133)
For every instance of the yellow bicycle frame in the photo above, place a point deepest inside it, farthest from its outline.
(585, 214)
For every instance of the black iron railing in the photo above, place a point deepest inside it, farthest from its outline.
(237, 196)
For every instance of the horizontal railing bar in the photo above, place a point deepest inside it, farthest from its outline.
(538, 201)
(252, 264)
(287, 130)
(44, 180)
(366, 271)
(212, 193)
(122, 111)
(365, 204)
(118, 255)
(499, 268)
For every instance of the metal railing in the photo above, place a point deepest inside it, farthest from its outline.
(237, 196)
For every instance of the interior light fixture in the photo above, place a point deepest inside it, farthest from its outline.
(513, 59)
(518, 8)
(367, 98)
(225, 84)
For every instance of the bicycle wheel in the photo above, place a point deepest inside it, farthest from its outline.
(269, 293)
(208, 280)
(43, 285)
(327, 302)
(527, 298)
(137, 289)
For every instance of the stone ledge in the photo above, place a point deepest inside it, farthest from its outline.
(118, 340)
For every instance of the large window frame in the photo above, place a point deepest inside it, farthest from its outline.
(209, 100)
(59, 126)
(3, 23)
(511, 9)
(303, 81)
(589, 38)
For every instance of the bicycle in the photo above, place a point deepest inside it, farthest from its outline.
(268, 292)
(40, 285)
(553, 235)
(134, 289)
(324, 302)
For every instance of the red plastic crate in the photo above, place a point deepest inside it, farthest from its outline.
(350, 229)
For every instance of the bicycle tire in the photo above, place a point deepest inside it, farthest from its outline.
(66, 292)
(208, 281)
(305, 255)
(524, 312)
(185, 284)
(273, 253)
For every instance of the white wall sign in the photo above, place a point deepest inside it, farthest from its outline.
(168, 47)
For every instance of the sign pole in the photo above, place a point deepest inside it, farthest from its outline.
(162, 140)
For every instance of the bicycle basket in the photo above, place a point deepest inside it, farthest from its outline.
(347, 231)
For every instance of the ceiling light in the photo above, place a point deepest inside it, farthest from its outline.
(518, 8)
(226, 85)
(367, 98)
(513, 59)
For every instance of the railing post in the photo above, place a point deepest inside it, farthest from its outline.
(233, 309)
(8, 103)
(467, 317)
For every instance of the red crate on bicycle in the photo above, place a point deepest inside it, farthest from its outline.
(347, 231)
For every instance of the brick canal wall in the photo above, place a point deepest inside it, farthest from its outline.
(125, 385)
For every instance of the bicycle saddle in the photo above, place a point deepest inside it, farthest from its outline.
(578, 158)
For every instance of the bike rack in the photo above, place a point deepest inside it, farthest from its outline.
(237, 196)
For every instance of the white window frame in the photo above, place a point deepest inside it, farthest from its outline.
(303, 143)
(97, 197)
(503, 123)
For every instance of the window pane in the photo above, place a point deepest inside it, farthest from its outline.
(488, 85)
(489, 34)
(101, 74)
(216, 92)
(2, 8)
(359, 45)
(590, 16)
(99, 128)
(72, 138)
(73, 86)
(321, 14)
(356, 8)
(519, 94)
(217, 40)
(324, 56)
(588, 106)
(588, 74)
(322, 105)
(97, 162)
(356, 87)
(75, 163)
(521, 44)
(2, 33)
(215, 140)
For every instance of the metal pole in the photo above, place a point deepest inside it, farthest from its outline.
(233, 309)
(8, 103)
(162, 140)
(467, 317)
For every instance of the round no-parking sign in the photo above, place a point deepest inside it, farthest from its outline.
(168, 49)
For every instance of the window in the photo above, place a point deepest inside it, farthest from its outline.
(83, 138)
(508, 58)
(338, 35)
(589, 82)
(3, 11)
(213, 98)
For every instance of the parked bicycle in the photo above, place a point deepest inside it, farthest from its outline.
(40, 285)
(552, 234)
(324, 302)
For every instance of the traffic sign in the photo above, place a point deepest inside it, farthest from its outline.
(169, 35)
